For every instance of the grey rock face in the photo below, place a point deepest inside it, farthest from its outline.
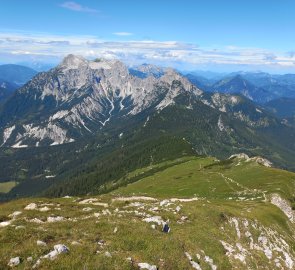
(83, 96)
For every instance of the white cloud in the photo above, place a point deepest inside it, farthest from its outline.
(77, 7)
(123, 34)
(166, 53)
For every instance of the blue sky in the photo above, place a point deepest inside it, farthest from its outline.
(220, 35)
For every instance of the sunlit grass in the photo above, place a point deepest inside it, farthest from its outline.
(7, 186)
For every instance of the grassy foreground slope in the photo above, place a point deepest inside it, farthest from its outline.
(222, 215)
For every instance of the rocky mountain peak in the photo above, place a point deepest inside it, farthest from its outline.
(72, 61)
(151, 70)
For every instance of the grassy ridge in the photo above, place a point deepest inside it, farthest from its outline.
(201, 177)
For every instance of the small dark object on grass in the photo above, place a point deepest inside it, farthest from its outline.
(166, 228)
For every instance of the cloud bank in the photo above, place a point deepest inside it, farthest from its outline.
(22, 46)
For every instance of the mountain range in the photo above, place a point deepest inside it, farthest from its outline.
(259, 87)
(77, 120)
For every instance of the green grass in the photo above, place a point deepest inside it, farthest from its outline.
(198, 177)
(134, 238)
(140, 173)
(271, 180)
(208, 220)
(7, 186)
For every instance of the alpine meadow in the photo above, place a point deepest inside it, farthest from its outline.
(147, 135)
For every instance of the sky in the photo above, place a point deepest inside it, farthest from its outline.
(217, 35)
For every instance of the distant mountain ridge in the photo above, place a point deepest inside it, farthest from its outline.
(282, 107)
(16, 74)
(6, 90)
(238, 84)
(260, 86)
